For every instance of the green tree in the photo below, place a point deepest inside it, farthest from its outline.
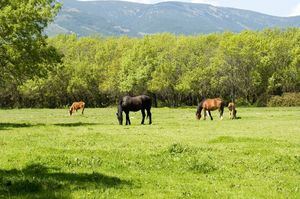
(175, 70)
(236, 63)
(198, 73)
(24, 52)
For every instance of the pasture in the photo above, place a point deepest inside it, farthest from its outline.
(45, 153)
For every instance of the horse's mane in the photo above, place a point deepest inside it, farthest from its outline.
(199, 108)
(202, 100)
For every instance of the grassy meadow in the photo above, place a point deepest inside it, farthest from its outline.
(47, 154)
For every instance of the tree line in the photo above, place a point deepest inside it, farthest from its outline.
(246, 67)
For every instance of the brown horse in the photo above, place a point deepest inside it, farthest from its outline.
(77, 105)
(232, 110)
(210, 105)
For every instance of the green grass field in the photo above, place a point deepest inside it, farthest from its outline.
(47, 154)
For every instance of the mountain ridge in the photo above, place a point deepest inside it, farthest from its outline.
(116, 18)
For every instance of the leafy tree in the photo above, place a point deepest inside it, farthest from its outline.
(198, 73)
(248, 66)
(236, 63)
(24, 52)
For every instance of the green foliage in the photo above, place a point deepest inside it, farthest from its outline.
(287, 99)
(24, 51)
(246, 67)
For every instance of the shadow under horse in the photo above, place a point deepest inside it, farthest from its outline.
(209, 105)
(127, 104)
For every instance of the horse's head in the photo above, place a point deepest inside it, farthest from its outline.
(71, 111)
(120, 115)
(198, 115)
(199, 109)
(120, 118)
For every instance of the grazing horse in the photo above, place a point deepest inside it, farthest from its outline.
(232, 110)
(210, 105)
(127, 103)
(77, 105)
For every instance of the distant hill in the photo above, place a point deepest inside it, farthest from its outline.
(134, 19)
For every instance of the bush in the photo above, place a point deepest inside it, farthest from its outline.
(287, 99)
(262, 100)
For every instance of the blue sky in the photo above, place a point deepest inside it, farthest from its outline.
(272, 7)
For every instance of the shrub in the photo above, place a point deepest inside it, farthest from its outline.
(287, 99)
(262, 100)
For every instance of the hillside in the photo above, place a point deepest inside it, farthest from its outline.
(134, 19)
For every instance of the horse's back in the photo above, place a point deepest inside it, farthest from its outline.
(78, 105)
(81, 104)
(213, 104)
(146, 100)
(136, 103)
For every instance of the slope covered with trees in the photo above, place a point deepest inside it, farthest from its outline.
(175, 70)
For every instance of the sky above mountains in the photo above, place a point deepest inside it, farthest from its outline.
(272, 7)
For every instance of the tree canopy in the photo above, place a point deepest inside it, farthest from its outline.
(24, 52)
(248, 67)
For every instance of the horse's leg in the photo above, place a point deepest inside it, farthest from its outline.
(143, 115)
(204, 110)
(221, 112)
(210, 115)
(127, 118)
(149, 114)
(82, 110)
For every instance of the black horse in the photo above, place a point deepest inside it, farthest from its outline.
(127, 103)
